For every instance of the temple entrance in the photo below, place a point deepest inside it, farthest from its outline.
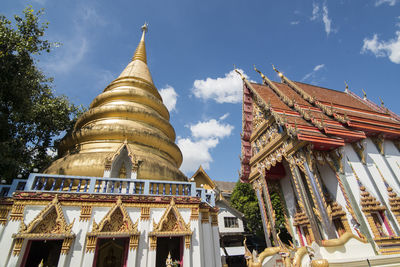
(111, 252)
(173, 245)
(47, 251)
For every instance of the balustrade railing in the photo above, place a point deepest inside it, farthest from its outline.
(101, 185)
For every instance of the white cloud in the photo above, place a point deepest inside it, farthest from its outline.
(68, 55)
(196, 153)
(318, 67)
(312, 75)
(211, 129)
(169, 97)
(89, 15)
(223, 117)
(315, 11)
(390, 49)
(320, 13)
(294, 22)
(327, 21)
(226, 89)
(389, 2)
(205, 135)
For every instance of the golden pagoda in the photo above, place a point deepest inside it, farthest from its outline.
(126, 130)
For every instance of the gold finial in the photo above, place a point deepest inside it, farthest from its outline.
(365, 94)
(262, 75)
(140, 53)
(145, 27)
(382, 103)
(347, 87)
(277, 71)
(238, 72)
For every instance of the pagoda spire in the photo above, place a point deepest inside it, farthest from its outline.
(140, 52)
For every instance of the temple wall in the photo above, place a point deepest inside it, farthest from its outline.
(375, 157)
(204, 249)
(393, 156)
(348, 152)
(332, 184)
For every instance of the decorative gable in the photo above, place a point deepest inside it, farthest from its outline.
(170, 224)
(49, 223)
(116, 223)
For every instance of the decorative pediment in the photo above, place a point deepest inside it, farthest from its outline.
(170, 224)
(116, 223)
(113, 156)
(49, 223)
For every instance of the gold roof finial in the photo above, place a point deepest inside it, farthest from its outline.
(140, 52)
(382, 103)
(277, 71)
(262, 75)
(238, 72)
(365, 94)
(347, 87)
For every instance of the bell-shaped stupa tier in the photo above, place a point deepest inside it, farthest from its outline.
(129, 115)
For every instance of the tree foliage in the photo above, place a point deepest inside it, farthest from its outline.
(31, 116)
(245, 200)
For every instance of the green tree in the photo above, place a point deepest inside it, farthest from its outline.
(31, 116)
(245, 200)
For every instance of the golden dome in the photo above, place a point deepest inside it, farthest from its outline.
(128, 116)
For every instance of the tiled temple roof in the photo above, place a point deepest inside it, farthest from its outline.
(313, 124)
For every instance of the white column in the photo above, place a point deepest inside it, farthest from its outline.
(151, 262)
(144, 243)
(186, 256)
(62, 260)
(77, 251)
(208, 244)
(17, 260)
(6, 241)
(132, 257)
(196, 246)
(216, 247)
(88, 259)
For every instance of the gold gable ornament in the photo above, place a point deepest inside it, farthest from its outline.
(48, 224)
(170, 224)
(116, 223)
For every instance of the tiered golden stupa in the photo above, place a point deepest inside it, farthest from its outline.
(128, 118)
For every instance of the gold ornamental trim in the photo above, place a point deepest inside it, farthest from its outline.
(194, 215)
(3, 215)
(116, 223)
(145, 213)
(50, 223)
(86, 213)
(205, 217)
(214, 218)
(17, 212)
(170, 224)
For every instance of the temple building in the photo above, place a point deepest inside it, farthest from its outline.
(115, 197)
(333, 158)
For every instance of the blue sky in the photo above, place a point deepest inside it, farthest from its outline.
(193, 45)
